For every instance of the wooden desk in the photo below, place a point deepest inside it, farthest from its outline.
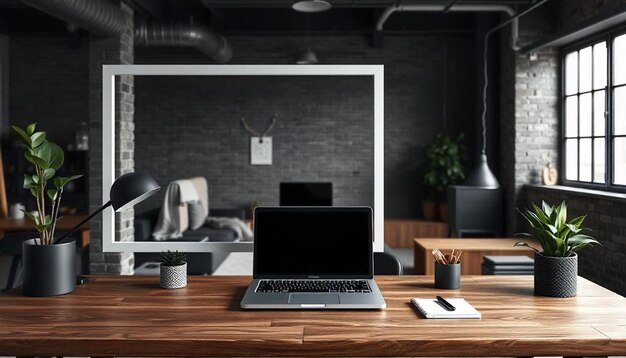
(66, 223)
(473, 252)
(401, 232)
(131, 316)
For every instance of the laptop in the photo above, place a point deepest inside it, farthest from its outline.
(313, 258)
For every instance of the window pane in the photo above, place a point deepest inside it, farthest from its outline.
(619, 100)
(571, 73)
(585, 69)
(585, 115)
(599, 120)
(571, 116)
(585, 159)
(619, 161)
(598, 160)
(571, 159)
(619, 60)
(599, 65)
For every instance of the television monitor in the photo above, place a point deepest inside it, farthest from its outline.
(306, 194)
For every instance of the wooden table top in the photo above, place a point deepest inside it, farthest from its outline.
(491, 244)
(67, 222)
(131, 316)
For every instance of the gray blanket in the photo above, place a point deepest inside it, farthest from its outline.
(240, 228)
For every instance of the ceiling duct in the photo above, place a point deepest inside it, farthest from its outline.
(180, 34)
(455, 7)
(99, 17)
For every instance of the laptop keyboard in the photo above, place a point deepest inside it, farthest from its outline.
(287, 286)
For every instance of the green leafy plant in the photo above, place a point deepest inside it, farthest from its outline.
(173, 258)
(47, 157)
(444, 164)
(557, 236)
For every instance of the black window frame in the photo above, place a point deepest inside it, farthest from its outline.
(608, 37)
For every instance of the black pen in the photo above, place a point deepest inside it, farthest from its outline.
(447, 305)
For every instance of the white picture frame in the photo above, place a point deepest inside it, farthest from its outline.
(109, 72)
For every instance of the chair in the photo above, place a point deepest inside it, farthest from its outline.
(11, 245)
(386, 264)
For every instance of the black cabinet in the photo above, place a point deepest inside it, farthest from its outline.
(474, 212)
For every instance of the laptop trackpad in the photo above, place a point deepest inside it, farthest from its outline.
(313, 298)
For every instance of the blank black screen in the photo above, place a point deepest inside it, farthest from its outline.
(302, 242)
(306, 194)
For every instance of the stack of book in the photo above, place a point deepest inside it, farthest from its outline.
(508, 265)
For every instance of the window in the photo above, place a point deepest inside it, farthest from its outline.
(594, 113)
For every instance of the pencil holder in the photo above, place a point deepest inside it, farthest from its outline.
(447, 276)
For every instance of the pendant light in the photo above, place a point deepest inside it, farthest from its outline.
(311, 6)
(482, 176)
(308, 57)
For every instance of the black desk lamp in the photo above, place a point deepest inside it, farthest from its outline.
(126, 191)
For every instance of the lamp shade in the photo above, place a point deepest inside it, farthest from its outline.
(311, 6)
(308, 57)
(482, 176)
(132, 188)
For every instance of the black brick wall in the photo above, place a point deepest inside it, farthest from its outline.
(48, 81)
(335, 111)
(191, 126)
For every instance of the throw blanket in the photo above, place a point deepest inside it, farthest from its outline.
(240, 228)
(187, 191)
(170, 224)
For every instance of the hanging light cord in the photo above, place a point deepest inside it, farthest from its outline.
(257, 133)
(486, 76)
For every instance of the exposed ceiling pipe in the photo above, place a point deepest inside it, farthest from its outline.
(99, 17)
(179, 34)
(456, 7)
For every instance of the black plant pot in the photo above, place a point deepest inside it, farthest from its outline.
(49, 270)
(556, 276)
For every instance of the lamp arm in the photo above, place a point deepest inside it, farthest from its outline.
(59, 240)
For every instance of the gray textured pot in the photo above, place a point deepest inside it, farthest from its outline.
(174, 276)
(49, 270)
(556, 276)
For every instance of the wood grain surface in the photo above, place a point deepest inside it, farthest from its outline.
(132, 316)
(473, 252)
(401, 232)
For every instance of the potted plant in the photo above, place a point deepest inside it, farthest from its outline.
(49, 267)
(556, 267)
(444, 168)
(173, 269)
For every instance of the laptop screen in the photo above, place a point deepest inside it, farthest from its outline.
(311, 242)
(306, 194)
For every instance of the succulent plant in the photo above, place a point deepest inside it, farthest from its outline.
(173, 258)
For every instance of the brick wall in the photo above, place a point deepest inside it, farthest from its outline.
(530, 123)
(116, 50)
(530, 137)
(324, 132)
(219, 148)
(48, 83)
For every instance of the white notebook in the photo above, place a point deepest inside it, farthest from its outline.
(430, 308)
